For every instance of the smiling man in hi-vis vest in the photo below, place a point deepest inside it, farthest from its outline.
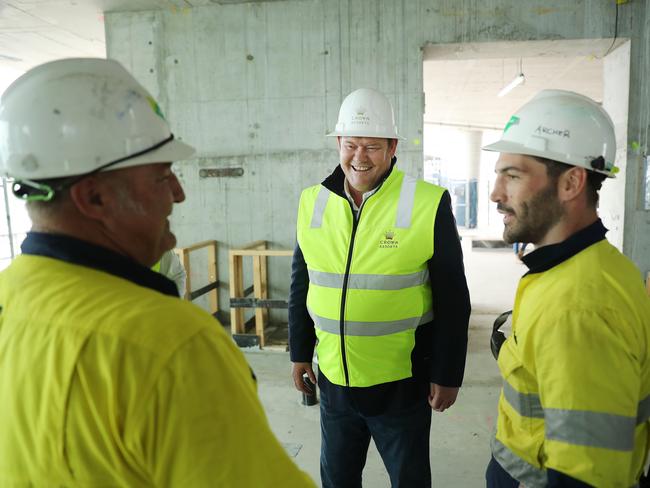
(378, 283)
(575, 402)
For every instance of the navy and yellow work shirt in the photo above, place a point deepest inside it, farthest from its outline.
(107, 378)
(575, 405)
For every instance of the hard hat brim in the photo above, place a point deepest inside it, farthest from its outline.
(173, 151)
(336, 133)
(516, 148)
(508, 147)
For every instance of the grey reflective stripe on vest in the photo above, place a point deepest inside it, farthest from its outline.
(369, 281)
(526, 404)
(643, 414)
(319, 207)
(593, 429)
(525, 473)
(353, 328)
(405, 203)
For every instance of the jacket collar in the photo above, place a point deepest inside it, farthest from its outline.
(335, 181)
(547, 257)
(82, 253)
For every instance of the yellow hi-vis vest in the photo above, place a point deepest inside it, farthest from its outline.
(369, 285)
(576, 373)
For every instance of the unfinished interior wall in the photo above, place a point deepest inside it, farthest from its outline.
(616, 82)
(636, 243)
(257, 85)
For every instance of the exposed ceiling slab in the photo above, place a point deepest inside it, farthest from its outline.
(461, 81)
(36, 31)
(509, 49)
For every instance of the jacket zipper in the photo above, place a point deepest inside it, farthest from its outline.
(344, 291)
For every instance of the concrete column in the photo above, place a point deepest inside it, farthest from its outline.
(616, 82)
(464, 160)
(474, 138)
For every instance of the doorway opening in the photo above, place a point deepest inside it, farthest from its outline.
(471, 90)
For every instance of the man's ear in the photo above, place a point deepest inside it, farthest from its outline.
(392, 147)
(92, 196)
(572, 183)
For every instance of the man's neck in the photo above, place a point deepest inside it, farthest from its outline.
(83, 229)
(566, 227)
(356, 195)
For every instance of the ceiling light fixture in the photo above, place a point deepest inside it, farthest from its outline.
(518, 80)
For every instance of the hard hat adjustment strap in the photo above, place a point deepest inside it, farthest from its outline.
(598, 163)
(46, 193)
(131, 156)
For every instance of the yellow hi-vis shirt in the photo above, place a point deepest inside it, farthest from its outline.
(576, 373)
(105, 383)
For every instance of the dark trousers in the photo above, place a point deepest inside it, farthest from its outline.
(402, 439)
(497, 477)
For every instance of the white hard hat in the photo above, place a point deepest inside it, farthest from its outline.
(77, 116)
(366, 113)
(562, 126)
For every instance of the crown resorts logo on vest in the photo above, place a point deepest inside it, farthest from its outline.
(388, 240)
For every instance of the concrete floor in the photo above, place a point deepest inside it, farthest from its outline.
(460, 436)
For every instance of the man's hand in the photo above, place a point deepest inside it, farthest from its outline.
(442, 397)
(297, 370)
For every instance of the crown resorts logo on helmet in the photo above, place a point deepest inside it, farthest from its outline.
(562, 126)
(366, 113)
(360, 117)
(73, 117)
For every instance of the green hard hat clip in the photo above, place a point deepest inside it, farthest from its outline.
(32, 191)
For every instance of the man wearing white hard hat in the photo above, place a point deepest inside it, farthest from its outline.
(107, 378)
(378, 282)
(575, 405)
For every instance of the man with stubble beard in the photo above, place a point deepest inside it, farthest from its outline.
(575, 405)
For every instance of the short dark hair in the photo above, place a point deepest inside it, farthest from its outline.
(594, 180)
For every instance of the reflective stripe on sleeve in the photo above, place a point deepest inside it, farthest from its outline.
(369, 281)
(580, 427)
(526, 404)
(529, 405)
(525, 473)
(353, 328)
(593, 429)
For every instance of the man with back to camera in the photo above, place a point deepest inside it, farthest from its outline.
(575, 404)
(378, 281)
(107, 378)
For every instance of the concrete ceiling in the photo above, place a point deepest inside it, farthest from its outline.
(35, 31)
(461, 81)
